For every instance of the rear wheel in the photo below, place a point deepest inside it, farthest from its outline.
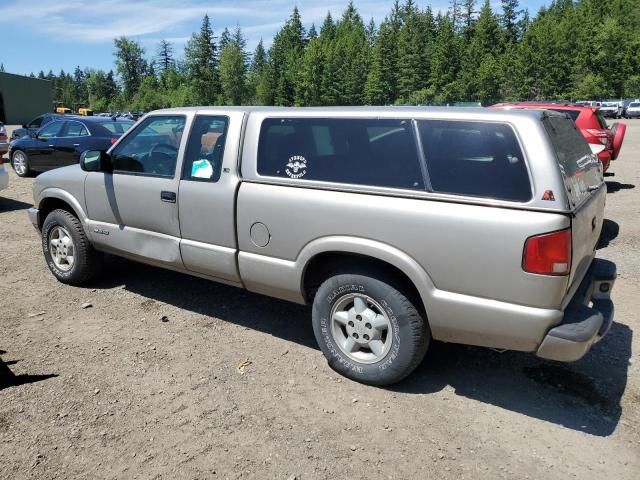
(20, 163)
(368, 329)
(67, 251)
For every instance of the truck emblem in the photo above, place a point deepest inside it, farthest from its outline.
(100, 231)
(296, 166)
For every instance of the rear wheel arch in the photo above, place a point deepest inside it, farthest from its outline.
(326, 264)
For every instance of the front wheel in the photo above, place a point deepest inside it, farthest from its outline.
(368, 330)
(20, 163)
(67, 250)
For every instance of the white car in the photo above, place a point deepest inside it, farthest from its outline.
(633, 110)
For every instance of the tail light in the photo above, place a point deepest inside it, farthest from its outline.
(601, 135)
(548, 254)
(114, 140)
(1, 160)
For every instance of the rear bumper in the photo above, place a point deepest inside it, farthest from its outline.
(587, 318)
(4, 147)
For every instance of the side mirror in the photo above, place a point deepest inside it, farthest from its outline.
(96, 161)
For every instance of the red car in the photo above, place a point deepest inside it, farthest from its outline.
(591, 123)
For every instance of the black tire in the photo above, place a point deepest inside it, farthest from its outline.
(27, 172)
(87, 263)
(409, 332)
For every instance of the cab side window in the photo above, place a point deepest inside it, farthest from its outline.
(152, 148)
(36, 123)
(50, 131)
(205, 149)
(75, 129)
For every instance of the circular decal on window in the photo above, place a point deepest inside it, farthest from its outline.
(296, 166)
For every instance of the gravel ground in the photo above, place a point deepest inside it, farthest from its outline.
(139, 376)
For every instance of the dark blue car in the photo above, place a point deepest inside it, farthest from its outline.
(61, 141)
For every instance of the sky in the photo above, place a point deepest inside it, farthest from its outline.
(60, 34)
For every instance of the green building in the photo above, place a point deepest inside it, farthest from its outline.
(22, 98)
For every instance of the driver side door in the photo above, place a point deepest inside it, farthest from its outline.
(134, 211)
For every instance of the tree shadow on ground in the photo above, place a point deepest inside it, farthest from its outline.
(10, 205)
(613, 187)
(610, 231)
(583, 396)
(9, 379)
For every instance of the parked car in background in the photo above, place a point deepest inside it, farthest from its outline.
(591, 123)
(34, 125)
(611, 109)
(588, 103)
(633, 110)
(4, 144)
(398, 225)
(61, 142)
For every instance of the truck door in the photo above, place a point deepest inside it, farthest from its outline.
(134, 210)
(207, 195)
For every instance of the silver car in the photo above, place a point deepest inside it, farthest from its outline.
(399, 225)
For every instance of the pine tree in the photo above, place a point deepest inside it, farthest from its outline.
(201, 64)
(348, 60)
(164, 56)
(445, 62)
(285, 56)
(258, 79)
(414, 45)
(509, 19)
(312, 33)
(80, 86)
(233, 69)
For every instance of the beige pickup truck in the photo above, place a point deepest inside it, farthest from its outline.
(399, 225)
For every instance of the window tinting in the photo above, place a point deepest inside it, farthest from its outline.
(573, 153)
(376, 152)
(574, 114)
(475, 159)
(75, 129)
(152, 148)
(205, 150)
(36, 123)
(117, 128)
(51, 130)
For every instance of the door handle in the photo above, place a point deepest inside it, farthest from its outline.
(169, 197)
(76, 144)
(51, 146)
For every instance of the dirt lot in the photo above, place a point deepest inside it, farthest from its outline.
(116, 390)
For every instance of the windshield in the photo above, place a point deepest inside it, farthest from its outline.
(634, 105)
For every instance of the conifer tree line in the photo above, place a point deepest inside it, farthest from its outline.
(584, 49)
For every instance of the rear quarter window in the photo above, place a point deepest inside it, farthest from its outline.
(374, 152)
(475, 159)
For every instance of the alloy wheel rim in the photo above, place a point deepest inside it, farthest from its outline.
(361, 328)
(19, 163)
(61, 248)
